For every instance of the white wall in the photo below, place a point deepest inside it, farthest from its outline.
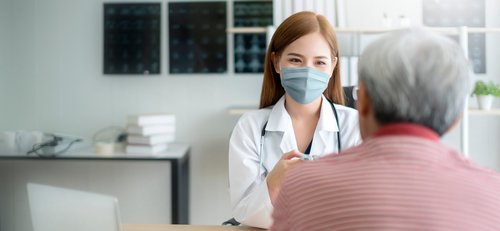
(13, 68)
(369, 14)
(4, 50)
(55, 83)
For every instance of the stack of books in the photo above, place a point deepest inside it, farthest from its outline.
(149, 133)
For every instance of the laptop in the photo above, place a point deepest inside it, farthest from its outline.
(61, 209)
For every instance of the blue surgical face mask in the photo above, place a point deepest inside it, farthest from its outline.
(304, 84)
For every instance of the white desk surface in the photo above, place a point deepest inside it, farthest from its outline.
(174, 151)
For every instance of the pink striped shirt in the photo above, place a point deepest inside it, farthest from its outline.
(401, 179)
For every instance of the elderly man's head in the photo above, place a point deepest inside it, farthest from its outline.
(413, 76)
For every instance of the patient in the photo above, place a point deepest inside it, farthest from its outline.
(412, 86)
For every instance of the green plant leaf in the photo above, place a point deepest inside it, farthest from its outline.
(483, 88)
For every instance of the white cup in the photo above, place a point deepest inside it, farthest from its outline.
(37, 137)
(23, 141)
(104, 148)
(9, 140)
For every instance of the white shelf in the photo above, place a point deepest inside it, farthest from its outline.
(492, 112)
(240, 110)
(372, 30)
(244, 30)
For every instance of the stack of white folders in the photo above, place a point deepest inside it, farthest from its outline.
(149, 133)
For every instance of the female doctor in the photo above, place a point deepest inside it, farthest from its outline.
(296, 119)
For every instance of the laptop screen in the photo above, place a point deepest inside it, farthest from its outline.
(61, 209)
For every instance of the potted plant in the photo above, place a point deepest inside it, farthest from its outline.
(485, 92)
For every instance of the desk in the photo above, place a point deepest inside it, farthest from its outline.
(177, 154)
(162, 227)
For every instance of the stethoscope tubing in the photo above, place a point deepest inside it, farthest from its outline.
(263, 134)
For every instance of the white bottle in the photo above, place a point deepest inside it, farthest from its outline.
(404, 21)
(386, 21)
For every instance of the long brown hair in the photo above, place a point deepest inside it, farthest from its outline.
(294, 27)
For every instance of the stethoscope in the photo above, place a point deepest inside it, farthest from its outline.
(263, 134)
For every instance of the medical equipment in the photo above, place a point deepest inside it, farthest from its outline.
(309, 157)
(263, 134)
(53, 145)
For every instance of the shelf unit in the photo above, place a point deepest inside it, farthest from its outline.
(462, 33)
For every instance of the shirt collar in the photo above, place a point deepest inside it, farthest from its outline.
(409, 129)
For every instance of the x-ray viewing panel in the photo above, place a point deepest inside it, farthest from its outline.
(197, 37)
(132, 38)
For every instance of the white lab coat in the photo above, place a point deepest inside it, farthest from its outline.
(249, 193)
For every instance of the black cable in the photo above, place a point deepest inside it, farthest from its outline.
(53, 143)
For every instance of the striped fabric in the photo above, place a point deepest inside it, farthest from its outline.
(391, 182)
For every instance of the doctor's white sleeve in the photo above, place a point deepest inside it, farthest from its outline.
(350, 134)
(250, 200)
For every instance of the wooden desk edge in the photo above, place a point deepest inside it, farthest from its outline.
(169, 227)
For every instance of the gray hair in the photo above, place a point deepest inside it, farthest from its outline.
(416, 76)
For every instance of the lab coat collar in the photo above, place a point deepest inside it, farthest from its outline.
(280, 121)
(327, 121)
(327, 124)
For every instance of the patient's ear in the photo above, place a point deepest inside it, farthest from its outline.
(364, 103)
(367, 123)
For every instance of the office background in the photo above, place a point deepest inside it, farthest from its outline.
(51, 79)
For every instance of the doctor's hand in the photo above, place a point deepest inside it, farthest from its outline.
(277, 175)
